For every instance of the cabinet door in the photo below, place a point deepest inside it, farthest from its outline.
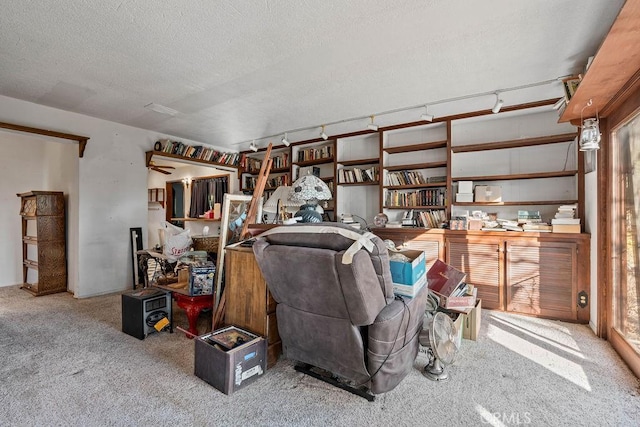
(542, 279)
(433, 249)
(482, 260)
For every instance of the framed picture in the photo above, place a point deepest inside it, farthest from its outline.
(570, 86)
(233, 215)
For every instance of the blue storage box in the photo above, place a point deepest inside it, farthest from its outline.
(409, 273)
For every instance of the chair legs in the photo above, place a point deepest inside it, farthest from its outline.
(307, 369)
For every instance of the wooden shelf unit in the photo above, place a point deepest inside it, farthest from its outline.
(534, 175)
(516, 143)
(161, 154)
(416, 147)
(430, 165)
(43, 228)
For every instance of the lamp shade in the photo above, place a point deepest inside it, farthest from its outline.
(310, 187)
(281, 195)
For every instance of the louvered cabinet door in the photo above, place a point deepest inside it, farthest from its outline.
(482, 260)
(542, 279)
(433, 249)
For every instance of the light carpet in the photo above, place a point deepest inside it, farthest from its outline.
(65, 361)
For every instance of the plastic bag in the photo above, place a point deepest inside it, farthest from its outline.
(177, 241)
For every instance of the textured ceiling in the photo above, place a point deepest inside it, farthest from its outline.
(242, 70)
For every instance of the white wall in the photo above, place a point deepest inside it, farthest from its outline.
(30, 163)
(112, 193)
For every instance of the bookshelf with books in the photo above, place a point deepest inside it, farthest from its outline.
(525, 154)
(194, 153)
(358, 175)
(415, 173)
(317, 157)
(280, 173)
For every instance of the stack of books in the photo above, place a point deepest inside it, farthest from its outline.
(448, 285)
(565, 220)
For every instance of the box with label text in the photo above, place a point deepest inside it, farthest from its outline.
(230, 369)
(488, 193)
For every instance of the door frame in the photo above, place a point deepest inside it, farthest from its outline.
(622, 113)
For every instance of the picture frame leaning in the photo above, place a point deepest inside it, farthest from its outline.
(234, 211)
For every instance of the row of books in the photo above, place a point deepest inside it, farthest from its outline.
(434, 197)
(198, 152)
(406, 178)
(430, 219)
(253, 165)
(371, 174)
(250, 182)
(325, 152)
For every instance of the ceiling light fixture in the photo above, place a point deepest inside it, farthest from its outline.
(323, 135)
(426, 116)
(161, 109)
(498, 105)
(253, 147)
(496, 109)
(285, 141)
(590, 134)
(372, 126)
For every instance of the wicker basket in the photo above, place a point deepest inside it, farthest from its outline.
(205, 243)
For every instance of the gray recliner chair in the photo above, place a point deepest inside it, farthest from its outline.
(336, 308)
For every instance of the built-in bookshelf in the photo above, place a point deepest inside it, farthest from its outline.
(280, 173)
(178, 149)
(415, 166)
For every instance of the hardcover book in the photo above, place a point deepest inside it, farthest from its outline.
(443, 279)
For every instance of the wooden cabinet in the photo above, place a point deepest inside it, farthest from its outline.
(44, 262)
(481, 257)
(429, 241)
(541, 274)
(541, 278)
(249, 304)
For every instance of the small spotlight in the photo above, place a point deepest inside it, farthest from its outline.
(253, 147)
(426, 116)
(285, 141)
(323, 135)
(372, 126)
(498, 105)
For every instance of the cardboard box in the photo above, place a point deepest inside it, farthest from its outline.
(459, 324)
(408, 273)
(460, 303)
(230, 370)
(464, 197)
(488, 193)
(465, 187)
(471, 323)
(565, 228)
(410, 290)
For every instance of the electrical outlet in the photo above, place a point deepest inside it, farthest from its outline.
(583, 299)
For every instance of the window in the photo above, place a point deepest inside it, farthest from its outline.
(625, 229)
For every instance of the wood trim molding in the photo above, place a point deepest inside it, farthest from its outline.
(628, 354)
(614, 65)
(82, 140)
(623, 112)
